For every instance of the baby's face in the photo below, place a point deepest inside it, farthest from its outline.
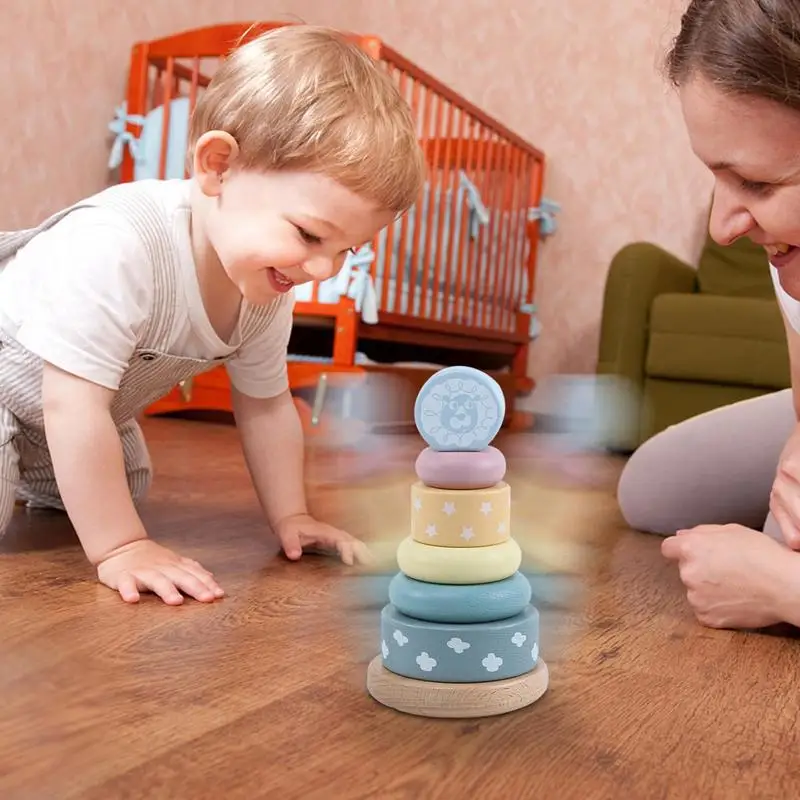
(273, 231)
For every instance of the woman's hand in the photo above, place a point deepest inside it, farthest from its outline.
(735, 577)
(784, 502)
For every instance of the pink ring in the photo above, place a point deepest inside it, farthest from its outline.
(461, 470)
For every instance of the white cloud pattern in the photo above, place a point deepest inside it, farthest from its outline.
(457, 644)
(425, 662)
(492, 662)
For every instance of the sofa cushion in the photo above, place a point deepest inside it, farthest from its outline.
(740, 269)
(731, 340)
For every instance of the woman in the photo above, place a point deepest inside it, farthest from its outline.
(717, 483)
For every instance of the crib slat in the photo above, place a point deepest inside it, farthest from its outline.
(489, 265)
(439, 299)
(518, 251)
(476, 275)
(465, 149)
(167, 94)
(400, 297)
(417, 259)
(434, 186)
(506, 265)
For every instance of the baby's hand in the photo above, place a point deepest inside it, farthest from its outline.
(302, 531)
(144, 565)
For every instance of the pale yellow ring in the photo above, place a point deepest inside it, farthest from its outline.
(458, 565)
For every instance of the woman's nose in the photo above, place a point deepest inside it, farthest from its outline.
(729, 220)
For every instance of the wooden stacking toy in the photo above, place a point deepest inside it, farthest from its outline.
(459, 636)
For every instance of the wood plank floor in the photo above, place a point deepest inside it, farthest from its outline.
(262, 694)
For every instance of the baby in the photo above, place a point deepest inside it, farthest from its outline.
(301, 150)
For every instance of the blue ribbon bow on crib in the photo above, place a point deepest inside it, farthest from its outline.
(478, 213)
(123, 136)
(545, 212)
(355, 281)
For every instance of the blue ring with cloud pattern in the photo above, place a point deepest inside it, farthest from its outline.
(453, 653)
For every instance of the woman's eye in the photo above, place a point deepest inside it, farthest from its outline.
(755, 187)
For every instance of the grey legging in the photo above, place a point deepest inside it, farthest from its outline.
(715, 468)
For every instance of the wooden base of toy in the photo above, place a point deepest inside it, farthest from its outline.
(455, 700)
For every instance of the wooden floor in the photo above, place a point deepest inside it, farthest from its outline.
(262, 694)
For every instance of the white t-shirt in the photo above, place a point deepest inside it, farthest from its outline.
(78, 295)
(790, 306)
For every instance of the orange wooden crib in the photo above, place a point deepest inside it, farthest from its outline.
(451, 282)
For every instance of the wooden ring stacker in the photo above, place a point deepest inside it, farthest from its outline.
(455, 700)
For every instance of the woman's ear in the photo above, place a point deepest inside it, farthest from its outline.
(214, 154)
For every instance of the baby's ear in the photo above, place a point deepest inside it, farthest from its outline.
(214, 155)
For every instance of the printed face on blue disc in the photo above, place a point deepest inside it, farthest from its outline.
(459, 408)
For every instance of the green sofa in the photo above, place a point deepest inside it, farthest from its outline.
(689, 340)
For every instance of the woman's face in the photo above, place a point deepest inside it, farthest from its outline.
(752, 147)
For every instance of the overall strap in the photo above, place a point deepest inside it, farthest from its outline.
(11, 242)
(147, 217)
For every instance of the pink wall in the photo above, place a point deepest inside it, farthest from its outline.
(578, 79)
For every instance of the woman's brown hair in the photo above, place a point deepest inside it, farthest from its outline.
(744, 47)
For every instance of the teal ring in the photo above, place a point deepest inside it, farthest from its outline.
(470, 603)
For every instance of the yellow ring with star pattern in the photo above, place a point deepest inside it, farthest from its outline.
(461, 517)
(458, 565)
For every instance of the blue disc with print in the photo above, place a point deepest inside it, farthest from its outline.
(449, 652)
(459, 408)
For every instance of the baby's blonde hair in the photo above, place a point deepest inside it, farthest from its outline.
(303, 97)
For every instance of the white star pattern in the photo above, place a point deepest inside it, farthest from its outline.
(417, 504)
(449, 508)
(467, 534)
(431, 530)
(501, 528)
(486, 509)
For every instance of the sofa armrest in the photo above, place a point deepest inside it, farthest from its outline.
(638, 273)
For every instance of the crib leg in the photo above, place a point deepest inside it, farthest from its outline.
(319, 399)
